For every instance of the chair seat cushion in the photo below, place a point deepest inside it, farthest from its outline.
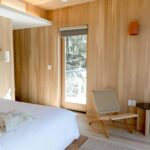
(118, 116)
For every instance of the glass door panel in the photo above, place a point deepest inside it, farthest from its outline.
(75, 53)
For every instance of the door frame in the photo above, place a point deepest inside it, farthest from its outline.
(67, 105)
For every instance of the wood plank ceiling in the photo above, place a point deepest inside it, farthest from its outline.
(55, 4)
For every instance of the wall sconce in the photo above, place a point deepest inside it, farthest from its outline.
(134, 28)
(4, 56)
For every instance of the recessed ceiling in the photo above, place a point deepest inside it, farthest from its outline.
(55, 4)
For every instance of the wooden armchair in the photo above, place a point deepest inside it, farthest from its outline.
(106, 103)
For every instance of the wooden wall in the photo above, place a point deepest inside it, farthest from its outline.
(32, 49)
(36, 11)
(6, 69)
(115, 59)
(6, 44)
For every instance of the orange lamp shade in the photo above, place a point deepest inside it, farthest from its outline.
(134, 28)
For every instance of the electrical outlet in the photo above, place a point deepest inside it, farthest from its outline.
(134, 103)
(129, 102)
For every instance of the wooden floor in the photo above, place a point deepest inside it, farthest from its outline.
(136, 140)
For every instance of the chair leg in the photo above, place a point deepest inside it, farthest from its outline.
(104, 129)
(93, 121)
(127, 126)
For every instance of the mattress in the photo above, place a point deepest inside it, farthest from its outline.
(51, 129)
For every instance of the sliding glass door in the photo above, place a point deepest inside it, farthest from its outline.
(74, 50)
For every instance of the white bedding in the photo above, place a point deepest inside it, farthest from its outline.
(52, 128)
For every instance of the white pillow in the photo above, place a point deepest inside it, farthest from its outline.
(12, 120)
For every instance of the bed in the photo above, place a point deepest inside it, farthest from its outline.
(52, 128)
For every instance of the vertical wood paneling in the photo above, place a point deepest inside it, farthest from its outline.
(32, 55)
(36, 11)
(115, 59)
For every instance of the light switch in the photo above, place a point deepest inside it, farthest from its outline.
(49, 67)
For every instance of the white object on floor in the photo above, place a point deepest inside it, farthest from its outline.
(52, 129)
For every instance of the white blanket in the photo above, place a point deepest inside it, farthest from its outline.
(52, 128)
